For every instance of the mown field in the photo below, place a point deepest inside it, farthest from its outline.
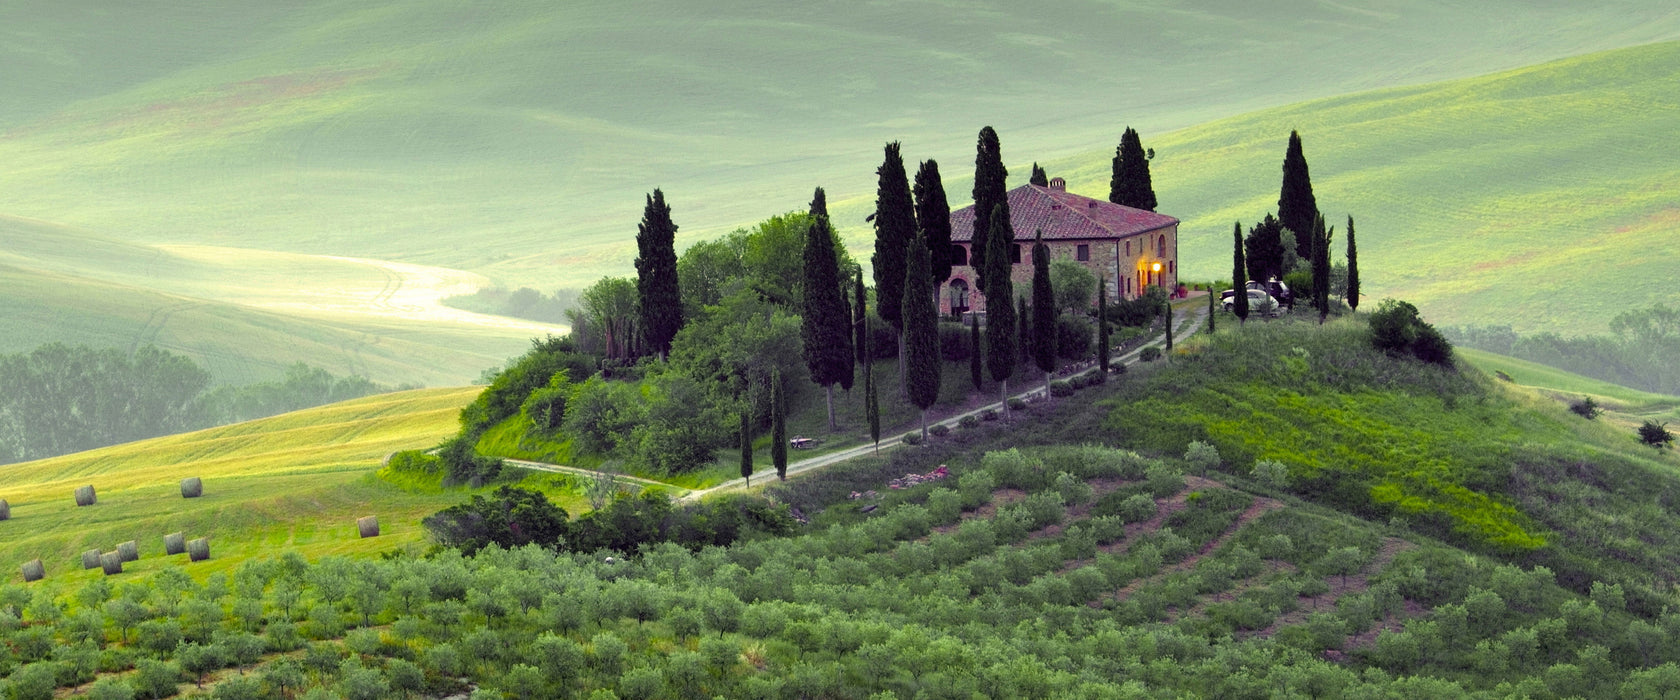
(295, 482)
(1542, 198)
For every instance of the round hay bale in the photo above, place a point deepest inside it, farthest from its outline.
(199, 549)
(129, 550)
(5, 510)
(112, 563)
(192, 487)
(368, 526)
(90, 559)
(34, 570)
(85, 496)
(174, 543)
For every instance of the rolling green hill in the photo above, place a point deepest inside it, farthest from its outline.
(517, 139)
(246, 314)
(292, 482)
(1543, 198)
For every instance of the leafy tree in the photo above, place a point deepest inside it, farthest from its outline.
(1074, 285)
(1102, 326)
(1296, 205)
(826, 329)
(974, 354)
(895, 225)
(512, 517)
(921, 332)
(200, 659)
(658, 295)
(110, 688)
(607, 321)
(1043, 311)
(933, 219)
(1130, 185)
(746, 448)
(778, 427)
(1039, 177)
(1239, 284)
(990, 192)
(1264, 251)
(156, 679)
(1352, 269)
(1000, 314)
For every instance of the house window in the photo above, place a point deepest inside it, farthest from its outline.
(959, 256)
(1015, 254)
(1082, 253)
(1161, 250)
(1128, 248)
(1172, 267)
(959, 294)
(1128, 282)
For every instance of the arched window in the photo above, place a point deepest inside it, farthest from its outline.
(1161, 250)
(959, 293)
(959, 256)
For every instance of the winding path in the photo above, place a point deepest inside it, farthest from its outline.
(1186, 328)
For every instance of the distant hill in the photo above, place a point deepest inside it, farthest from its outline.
(517, 139)
(1543, 198)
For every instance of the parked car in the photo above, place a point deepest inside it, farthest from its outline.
(1274, 287)
(1259, 303)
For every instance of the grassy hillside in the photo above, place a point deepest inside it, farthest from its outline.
(1624, 406)
(246, 314)
(1542, 197)
(293, 482)
(518, 139)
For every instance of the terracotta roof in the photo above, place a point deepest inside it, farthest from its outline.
(1063, 215)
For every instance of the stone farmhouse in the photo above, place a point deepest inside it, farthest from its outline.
(1131, 249)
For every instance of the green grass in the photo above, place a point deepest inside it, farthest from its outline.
(1542, 198)
(294, 482)
(518, 140)
(1364, 431)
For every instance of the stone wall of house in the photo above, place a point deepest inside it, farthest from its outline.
(1126, 264)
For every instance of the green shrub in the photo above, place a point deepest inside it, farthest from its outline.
(1137, 508)
(1271, 473)
(969, 422)
(953, 341)
(1061, 389)
(1013, 468)
(1201, 457)
(1016, 404)
(939, 430)
(1073, 490)
(1655, 434)
(1163, 480)
(1150, 354)
(1585, 408)
(912, 438)
(1074, 335)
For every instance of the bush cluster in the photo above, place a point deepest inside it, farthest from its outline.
(1397, 328)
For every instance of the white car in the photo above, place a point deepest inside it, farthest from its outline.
(1259, 303)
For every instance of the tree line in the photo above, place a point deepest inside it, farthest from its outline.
(60, 398)
(1294, 246)
(1642, 349)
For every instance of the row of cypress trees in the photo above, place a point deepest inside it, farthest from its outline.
(1297, 212)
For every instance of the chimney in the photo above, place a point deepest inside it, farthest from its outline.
(1058, 184)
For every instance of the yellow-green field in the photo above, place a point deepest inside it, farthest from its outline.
(295, 482)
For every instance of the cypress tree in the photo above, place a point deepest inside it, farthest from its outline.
(872, 408)
(1102, 325)
(1024, 336)
(746, 448)
(826, 322)
(656, 275)
(778, 426)
(933, 220)
(1043, 311)
(895, 225)
(1353, 269)
(921, 332)
(1239, 279)
(974, 353)
(860, 325)
(1130, 185)
(1296, 205)
(1321, 267)
(1211, 315)
(990, 192)
(1039, 177)
(1265, 250)
(1000, 313)
(1169, 330)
